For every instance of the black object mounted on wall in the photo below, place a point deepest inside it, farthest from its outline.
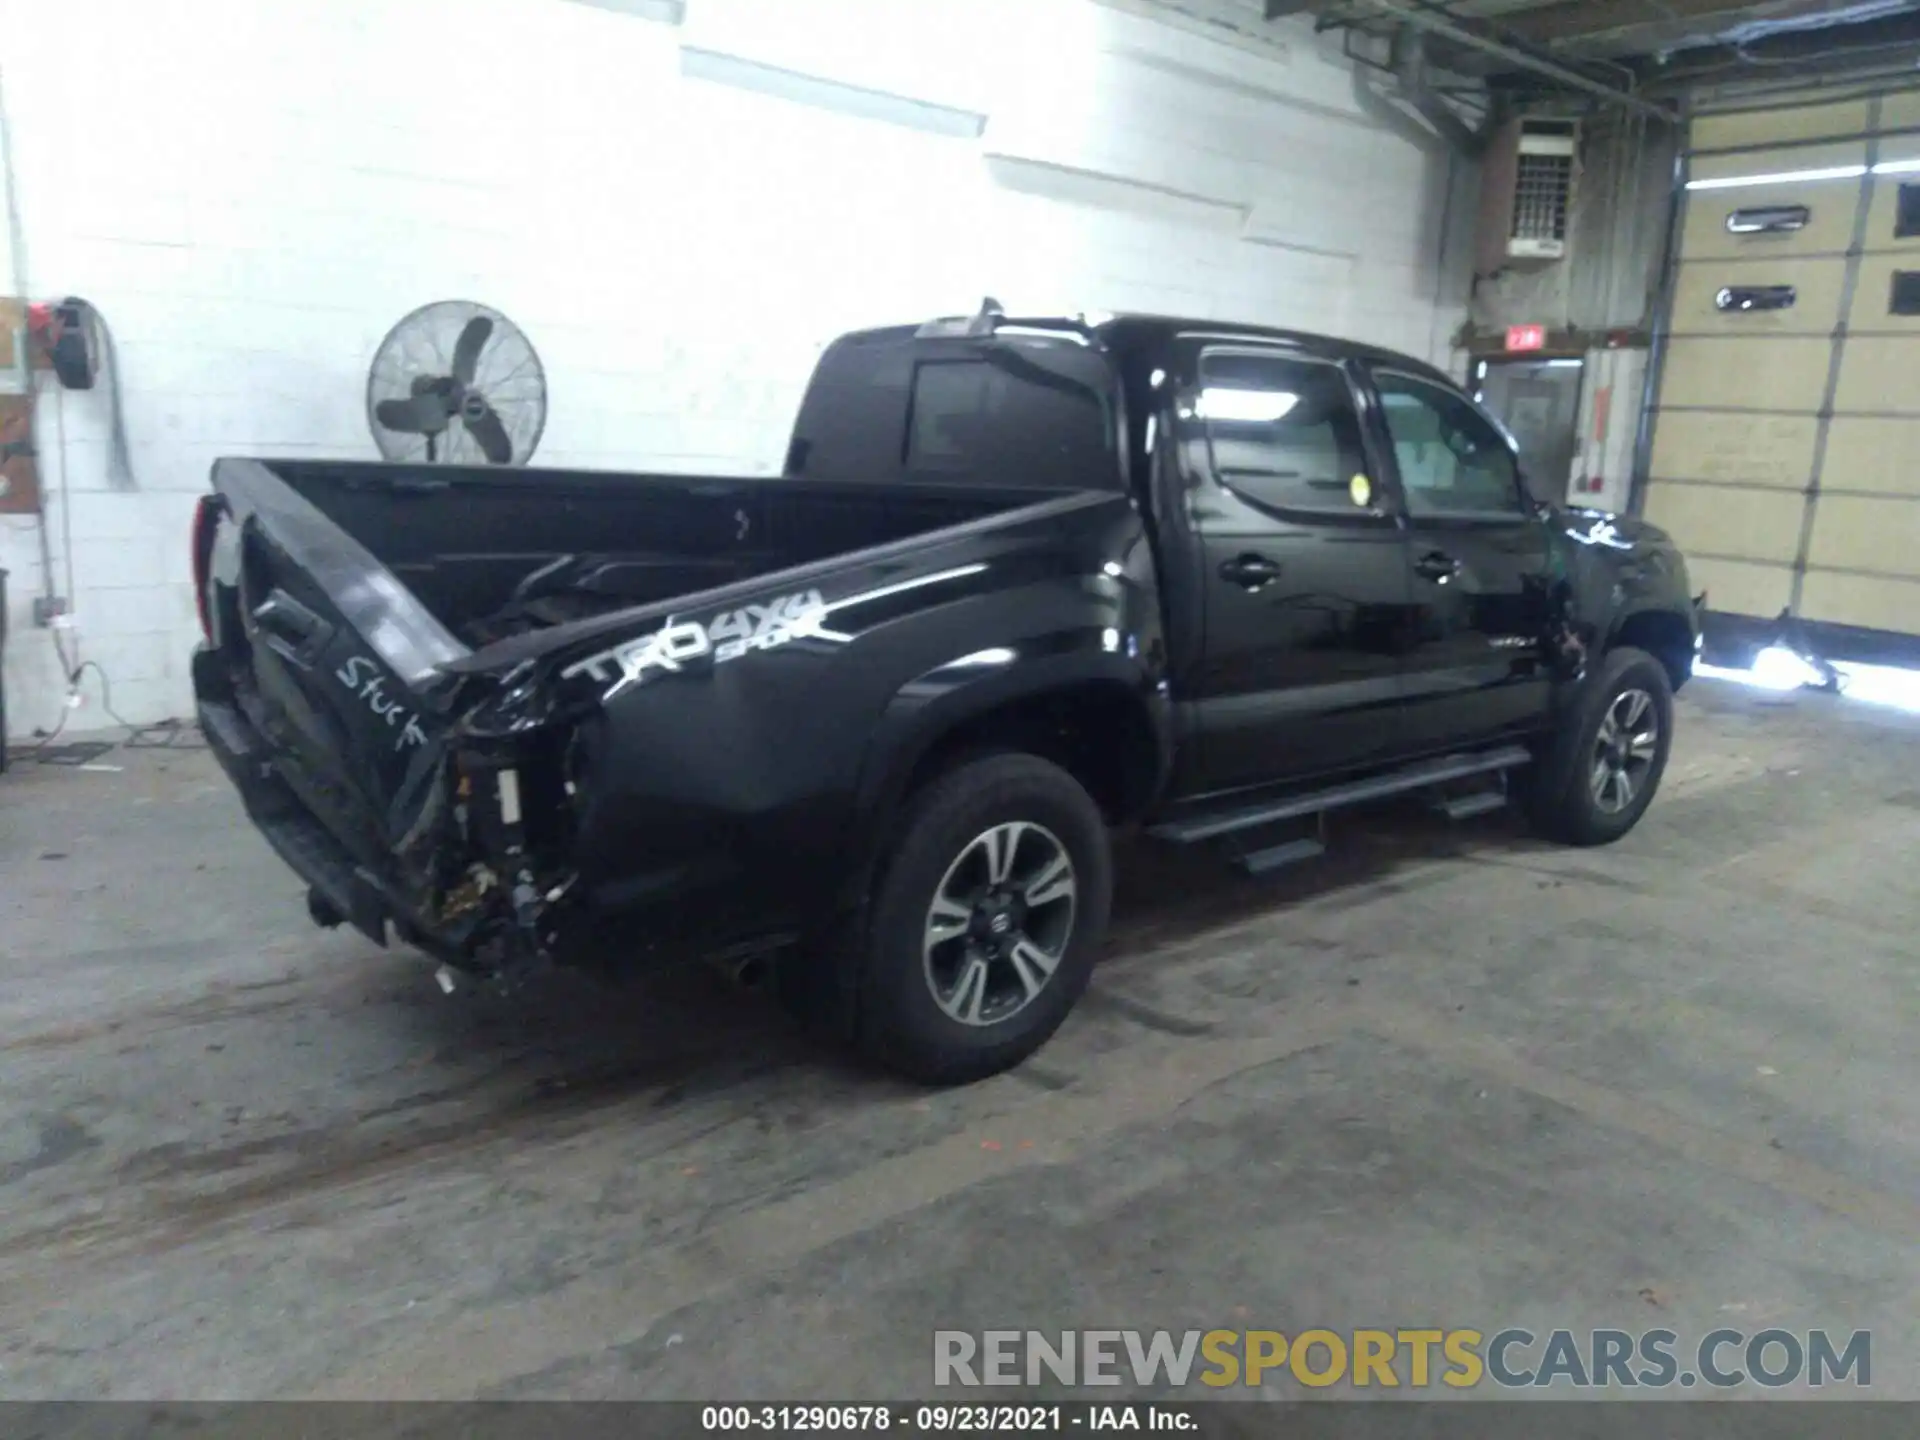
(78, 345)
(66, 330)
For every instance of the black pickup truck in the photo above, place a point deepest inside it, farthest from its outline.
(869, 723)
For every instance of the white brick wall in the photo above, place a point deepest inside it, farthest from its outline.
(252, 192)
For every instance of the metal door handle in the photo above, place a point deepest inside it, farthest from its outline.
(1436, 565)
(1250, 571)
(1769, 219)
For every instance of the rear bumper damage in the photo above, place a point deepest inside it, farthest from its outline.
(462, 884)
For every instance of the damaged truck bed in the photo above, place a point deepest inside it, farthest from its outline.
(476, 759)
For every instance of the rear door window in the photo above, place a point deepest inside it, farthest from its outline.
(1283, 431)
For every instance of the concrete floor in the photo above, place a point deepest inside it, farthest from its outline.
(1448, 1077)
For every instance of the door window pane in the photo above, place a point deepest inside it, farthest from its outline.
(1452, 460)
(1283, 432)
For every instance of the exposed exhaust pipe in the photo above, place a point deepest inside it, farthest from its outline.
(751, 972)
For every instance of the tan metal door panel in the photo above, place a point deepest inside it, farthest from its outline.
(1879, 374)
(1898, 112)
(1871, 454)
(1737, 437)
(1736, 587)
(1791, 160)
(1866, 600)
(1873, 295)
(1722, 520)
(1831, 205)
(1761, 127)
(1788, 373)
(1852, 532)
(1753, 449)
(1815, 310)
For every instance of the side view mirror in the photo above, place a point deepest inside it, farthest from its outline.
(1540, 504)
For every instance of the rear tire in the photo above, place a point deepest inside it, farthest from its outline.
(985, 925)
(1597, 775)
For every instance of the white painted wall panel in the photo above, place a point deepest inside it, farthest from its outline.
(272, 186)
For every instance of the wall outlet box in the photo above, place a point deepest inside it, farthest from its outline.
(48, 609)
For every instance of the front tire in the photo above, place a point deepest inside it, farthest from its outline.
(1600, 771)
(987, 921)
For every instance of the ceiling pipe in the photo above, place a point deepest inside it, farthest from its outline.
(1438, 23)
(1408, 61)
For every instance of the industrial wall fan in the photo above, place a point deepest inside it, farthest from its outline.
(457, 383)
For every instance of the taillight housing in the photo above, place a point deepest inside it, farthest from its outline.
(206, 518)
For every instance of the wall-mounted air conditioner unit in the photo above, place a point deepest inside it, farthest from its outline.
(1527, 193)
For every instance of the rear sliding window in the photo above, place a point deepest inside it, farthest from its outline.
(1014, 416)
(1027, 414)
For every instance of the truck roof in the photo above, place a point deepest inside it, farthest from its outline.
(1134, 331)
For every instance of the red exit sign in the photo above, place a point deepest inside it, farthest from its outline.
(1526, 337)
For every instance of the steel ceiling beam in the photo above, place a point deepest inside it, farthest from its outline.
(1520, 56)
(1876, 43)
(1584, 20)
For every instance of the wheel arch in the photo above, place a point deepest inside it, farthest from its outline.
(1101, 718)
(1663, 634)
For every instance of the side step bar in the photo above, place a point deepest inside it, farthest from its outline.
(1414, 777)
(1462, 807)
(1292, 852)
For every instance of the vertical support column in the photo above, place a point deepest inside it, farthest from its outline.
(1863, 210)
(1642, 464)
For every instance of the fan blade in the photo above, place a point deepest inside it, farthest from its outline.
(424, 414)
(491, 436)
(466, 350)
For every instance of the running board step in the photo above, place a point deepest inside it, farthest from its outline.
(1463, 807)
(1398, 782)
(1293, 852)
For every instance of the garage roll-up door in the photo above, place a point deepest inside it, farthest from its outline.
(1786, 441)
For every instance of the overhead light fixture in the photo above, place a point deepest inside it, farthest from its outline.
(1781, 177)
(1897, 167)
(836, 95)
(665, 12)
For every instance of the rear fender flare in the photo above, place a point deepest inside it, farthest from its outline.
(929, 709)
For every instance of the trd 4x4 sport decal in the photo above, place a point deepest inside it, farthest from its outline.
(734, 633)
(727, 636)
